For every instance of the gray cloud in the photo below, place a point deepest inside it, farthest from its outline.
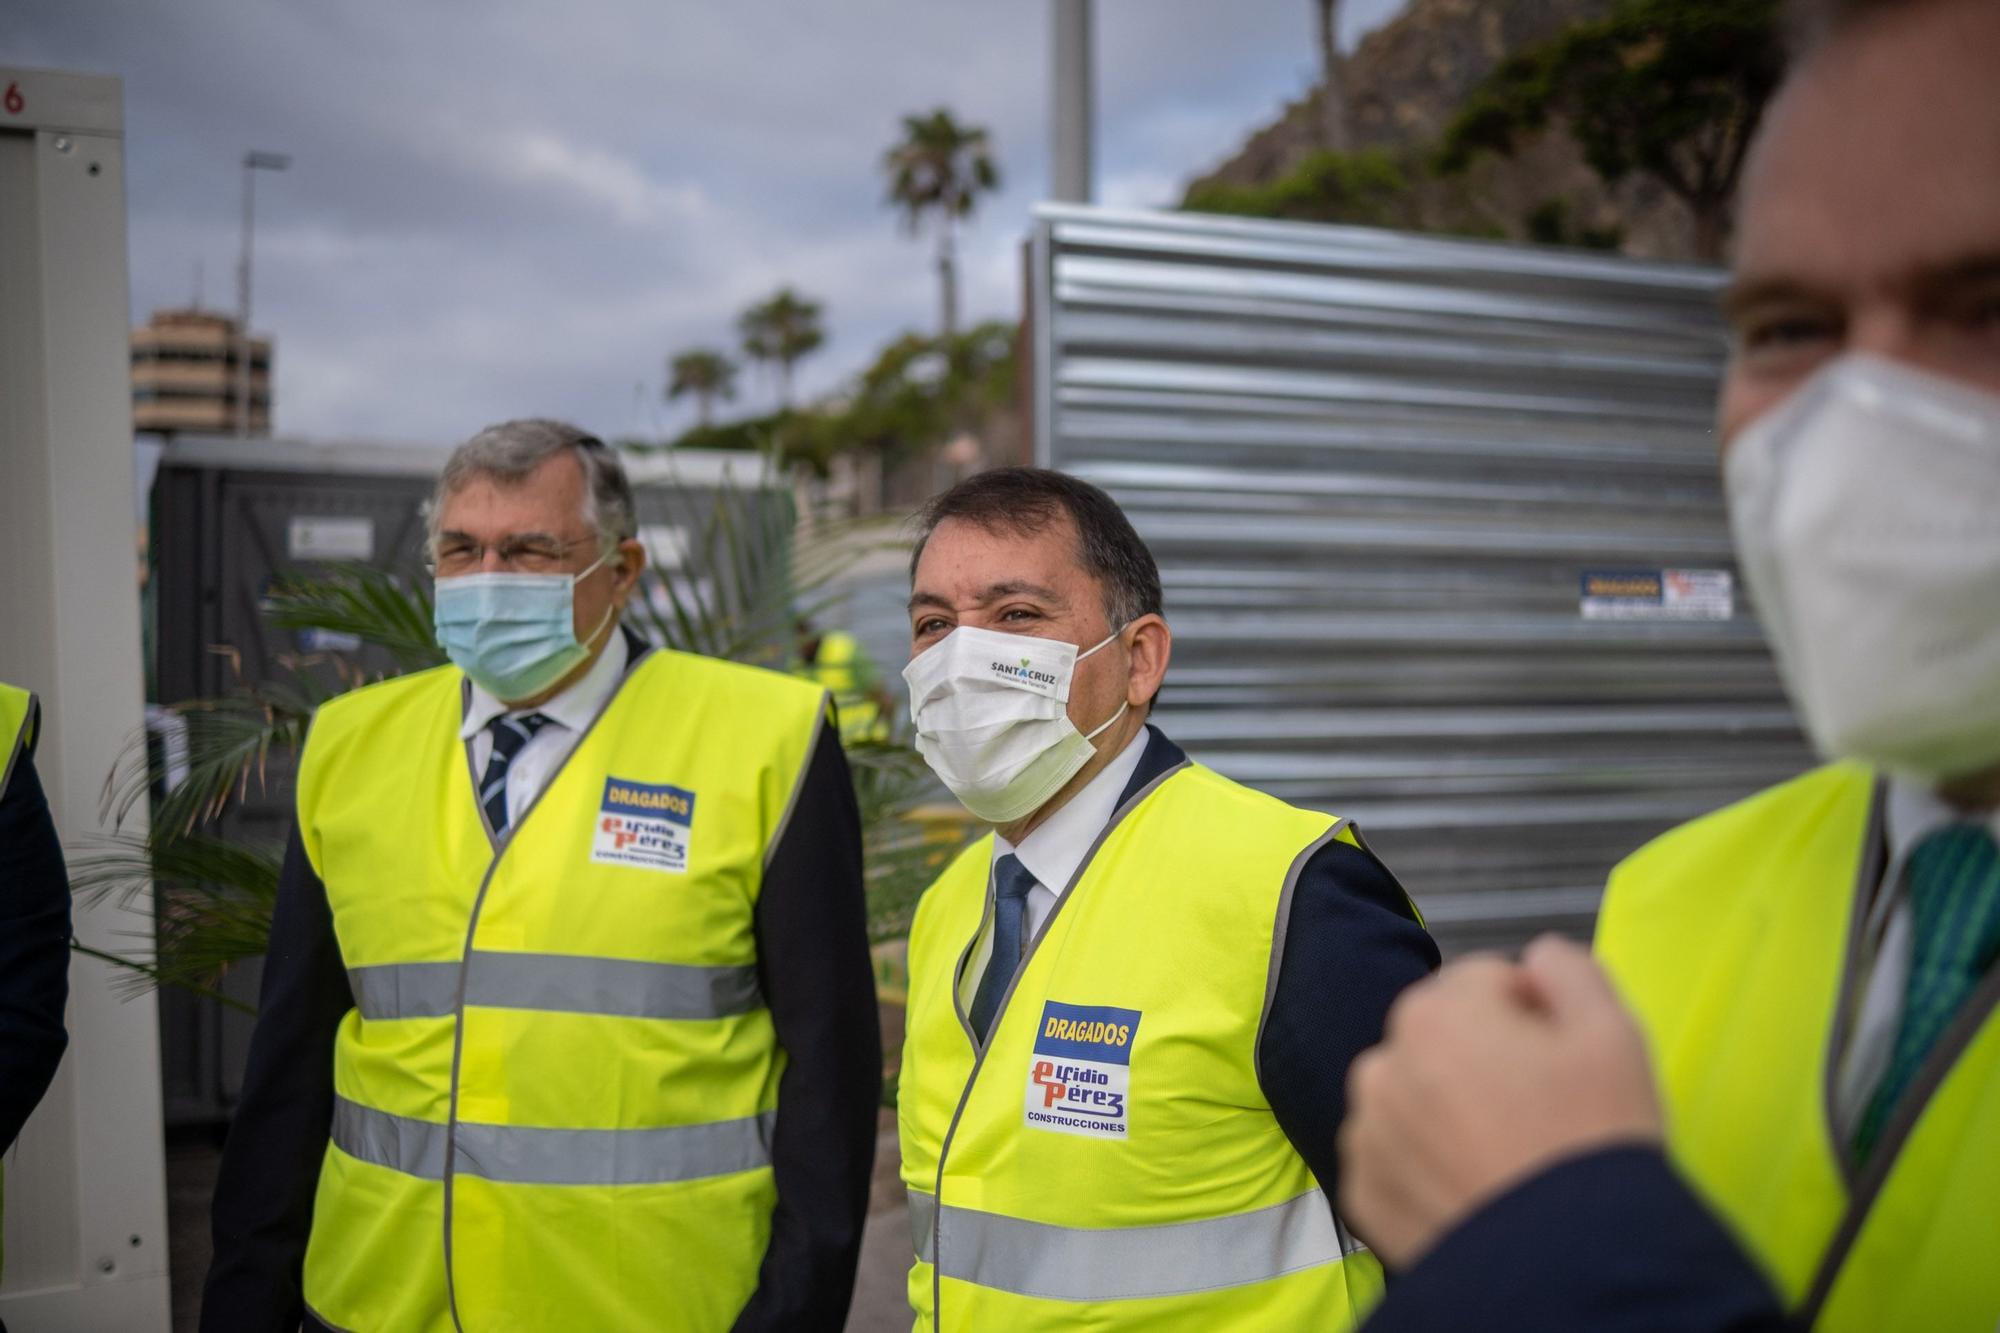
(518, 206)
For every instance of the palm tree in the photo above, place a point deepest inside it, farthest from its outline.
(940, 168)
(707, 374)
(780, 331)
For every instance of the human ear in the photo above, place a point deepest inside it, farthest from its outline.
(627, 564)
(1148, 645)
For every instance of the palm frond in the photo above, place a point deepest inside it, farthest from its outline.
(212, 752)
(212, 901)
(375, 605)
(903, 856)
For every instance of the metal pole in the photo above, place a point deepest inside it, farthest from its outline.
(1073, 111)
(253, 162)
(243, 302)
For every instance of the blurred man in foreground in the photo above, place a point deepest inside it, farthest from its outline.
(1122, 1075)
(568, 1020)
(1813, 970)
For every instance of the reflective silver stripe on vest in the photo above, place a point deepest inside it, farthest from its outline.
(1128, 1263)
(562, 983)
(404, 990)
(923, 1226)
(414, 1147)
(519, 1154)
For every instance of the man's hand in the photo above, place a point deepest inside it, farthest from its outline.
(1489, 1072)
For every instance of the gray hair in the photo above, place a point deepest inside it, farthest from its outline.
(512, 450)
(1026, 500)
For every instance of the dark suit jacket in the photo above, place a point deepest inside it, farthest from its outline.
(812, 957)
(1609, 1242)
(1351, 945)
(34, 944)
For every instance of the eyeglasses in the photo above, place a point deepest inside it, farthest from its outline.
(521, 555)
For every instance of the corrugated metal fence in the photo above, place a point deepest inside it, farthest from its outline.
(1376, 469)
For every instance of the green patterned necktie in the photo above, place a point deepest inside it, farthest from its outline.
(1953, 880)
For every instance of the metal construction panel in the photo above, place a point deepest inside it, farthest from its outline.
(1380, 471)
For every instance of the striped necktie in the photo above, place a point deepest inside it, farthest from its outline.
(1953, 880)
(1011, 882)
(510, 736)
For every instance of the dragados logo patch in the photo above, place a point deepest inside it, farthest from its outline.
(1079, 1076)
(644, 825)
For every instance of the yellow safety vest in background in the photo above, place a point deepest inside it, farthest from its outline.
(1732, 938)
(1111, 1162)
(18, 717)
(554, 1095)
(836, 667)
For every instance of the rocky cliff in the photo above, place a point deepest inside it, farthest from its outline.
(1404, 83)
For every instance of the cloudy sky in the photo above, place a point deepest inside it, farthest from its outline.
(510, 207)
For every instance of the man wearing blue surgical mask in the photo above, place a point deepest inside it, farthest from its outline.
(568, 1020)
(1772, 1100)
(1131, 1008)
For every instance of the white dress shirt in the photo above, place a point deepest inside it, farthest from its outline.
(569, 713)
(1056, 848)
(1911, 813)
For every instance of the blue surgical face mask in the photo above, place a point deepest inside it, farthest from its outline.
(514, 634)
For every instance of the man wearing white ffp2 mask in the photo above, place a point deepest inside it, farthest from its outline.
(1882, 601)
(1123, 991)
(1799, 1130)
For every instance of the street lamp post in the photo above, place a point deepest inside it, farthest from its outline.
(1073, 108)
(253, 162)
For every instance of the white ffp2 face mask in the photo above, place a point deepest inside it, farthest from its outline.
(992, 718)
(1867, 519)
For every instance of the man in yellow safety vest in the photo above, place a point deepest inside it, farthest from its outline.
(1121, 1078)
(568, 1020)
(1814, 972)
(836, 660)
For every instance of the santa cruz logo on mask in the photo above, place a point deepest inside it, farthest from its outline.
(1025, 673)
(1079, 1076)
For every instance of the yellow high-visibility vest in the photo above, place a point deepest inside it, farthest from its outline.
(1110, 1161)
(19, 716)
(837, 668)
(555, 1092)
(1732, 939)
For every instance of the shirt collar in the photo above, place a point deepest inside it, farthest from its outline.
(1059, 843)
(574, 708)
(1913, 812)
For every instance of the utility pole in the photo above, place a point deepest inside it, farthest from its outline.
(253, 162)
(1073, 109)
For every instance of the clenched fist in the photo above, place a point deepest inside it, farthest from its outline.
(1489, 1072)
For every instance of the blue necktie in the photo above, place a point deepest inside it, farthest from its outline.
(510, 736)
(1953, 878)
(1011, 882)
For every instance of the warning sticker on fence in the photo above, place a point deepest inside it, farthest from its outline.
(1657, 594)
